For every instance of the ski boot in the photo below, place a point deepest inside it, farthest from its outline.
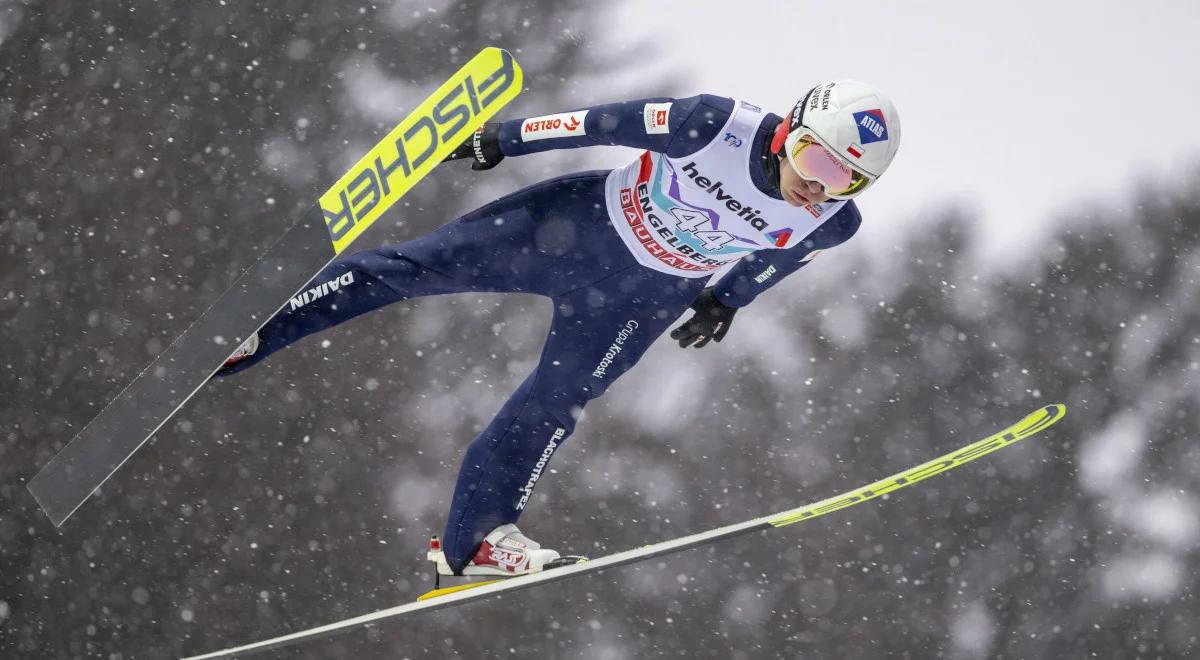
(505, 552)
(248, 348)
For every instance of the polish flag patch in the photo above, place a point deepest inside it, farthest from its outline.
(854, 150)
(655, 116)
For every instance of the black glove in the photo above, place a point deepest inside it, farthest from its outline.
(483, 147)
(710, 322)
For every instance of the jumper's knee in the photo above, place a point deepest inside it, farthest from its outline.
(563, 405)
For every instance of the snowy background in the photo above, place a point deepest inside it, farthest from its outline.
(1037, 241)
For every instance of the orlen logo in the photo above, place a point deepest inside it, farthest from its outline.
(565, 124)
(536, 125)
(871, 126)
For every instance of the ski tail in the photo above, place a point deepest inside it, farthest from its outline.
(474, 94)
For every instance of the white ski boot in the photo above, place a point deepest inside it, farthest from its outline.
(505, 552)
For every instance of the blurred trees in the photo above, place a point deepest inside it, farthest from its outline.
(154, 150)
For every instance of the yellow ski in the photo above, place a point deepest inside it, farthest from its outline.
(1035, 422)
(446, 119)
(419, 142)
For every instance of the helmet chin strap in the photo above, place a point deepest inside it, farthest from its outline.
(774, 148)
(780, 136)
(771, 155)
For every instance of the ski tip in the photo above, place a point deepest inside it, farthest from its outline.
(1046, 416)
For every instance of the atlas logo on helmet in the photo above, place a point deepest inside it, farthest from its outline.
(871, 126)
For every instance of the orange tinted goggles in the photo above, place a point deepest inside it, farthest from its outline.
(814, 162)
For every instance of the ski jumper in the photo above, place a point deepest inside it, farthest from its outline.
(621, 254)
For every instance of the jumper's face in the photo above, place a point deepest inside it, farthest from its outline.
(798, 191)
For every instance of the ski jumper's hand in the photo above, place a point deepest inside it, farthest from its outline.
(483, 147)
(710, 322)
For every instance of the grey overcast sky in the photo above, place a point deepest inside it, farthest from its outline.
(1017, 109)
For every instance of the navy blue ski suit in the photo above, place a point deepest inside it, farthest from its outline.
(555, 239)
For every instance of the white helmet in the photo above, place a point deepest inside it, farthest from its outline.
(857, 126)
